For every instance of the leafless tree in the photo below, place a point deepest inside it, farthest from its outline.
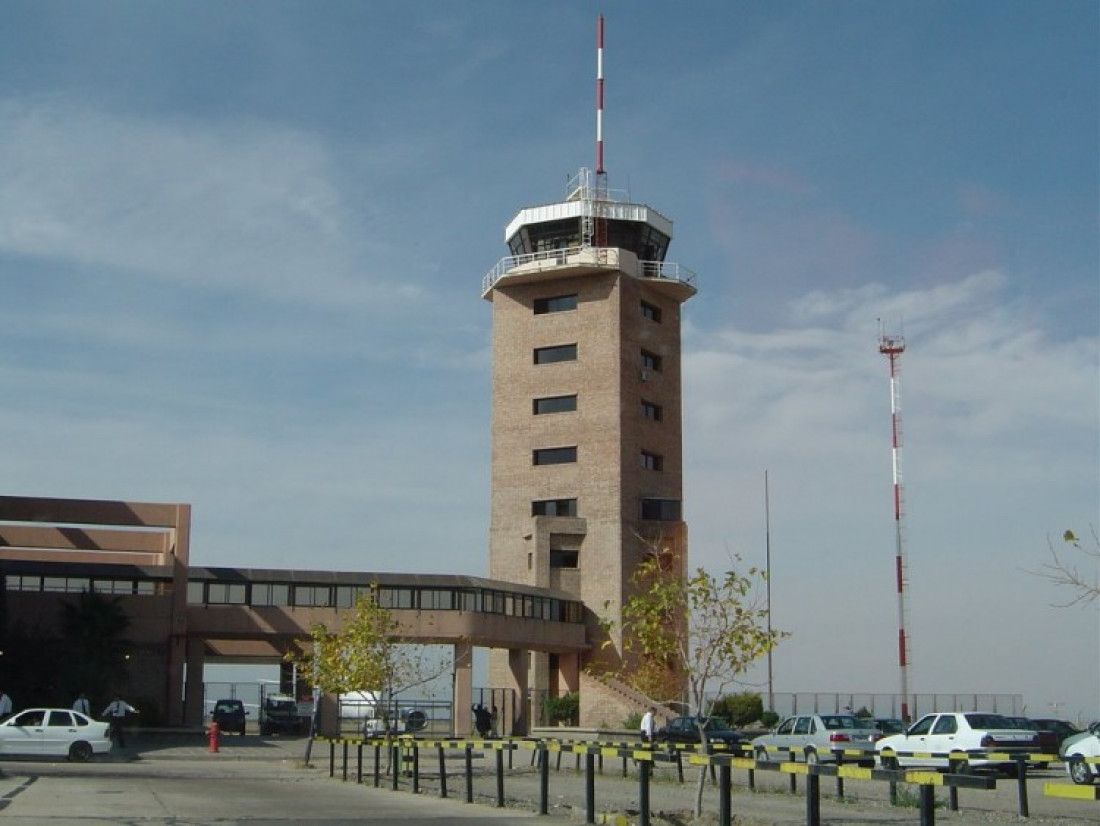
(1066, 570)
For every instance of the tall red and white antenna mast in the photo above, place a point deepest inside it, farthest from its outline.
(600, 221)
(892, 346)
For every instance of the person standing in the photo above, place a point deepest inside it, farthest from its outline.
(115, 713)
(82, 705)
(5, 706)
(648, 727)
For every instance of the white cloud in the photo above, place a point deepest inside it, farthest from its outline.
(239, 206)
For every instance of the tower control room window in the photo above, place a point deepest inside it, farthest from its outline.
(555, 404)
(554, 507)
(651, 311)
(652, 461)
(561, 352)
(555, 304)
(651, 361)
(554, 455)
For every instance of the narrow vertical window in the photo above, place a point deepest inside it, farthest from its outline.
(652, 411)
(651, 311)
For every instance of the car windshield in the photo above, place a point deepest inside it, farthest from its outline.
(225, 708)
(714, 724)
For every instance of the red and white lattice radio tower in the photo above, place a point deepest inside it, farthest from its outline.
(892, 346)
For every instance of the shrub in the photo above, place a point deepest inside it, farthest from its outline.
(738, 709)
(769, 719)
(564, 709)
(633, 722)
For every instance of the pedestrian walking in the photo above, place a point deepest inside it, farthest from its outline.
(648, 726)
(115, 713)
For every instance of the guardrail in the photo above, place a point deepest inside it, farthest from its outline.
(405, 759)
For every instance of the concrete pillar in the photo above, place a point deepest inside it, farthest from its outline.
(193, 702)
(518, 662)
(569, 673)
(463, 690)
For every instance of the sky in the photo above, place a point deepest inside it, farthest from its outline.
(242, 244)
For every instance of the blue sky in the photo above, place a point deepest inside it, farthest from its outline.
(241, 250)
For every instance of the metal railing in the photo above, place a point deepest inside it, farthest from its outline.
(592, 256)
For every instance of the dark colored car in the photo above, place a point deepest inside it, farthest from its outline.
(1048, 741)
(280, 716)
(686, 730)
(1061, 728)
(230, 716)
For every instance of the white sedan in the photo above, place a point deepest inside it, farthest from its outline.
(1082, 755)
(957, 741)
(53, 732)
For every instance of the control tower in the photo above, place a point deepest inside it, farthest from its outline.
(587, 457)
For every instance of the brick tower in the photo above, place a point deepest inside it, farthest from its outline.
(586, 416)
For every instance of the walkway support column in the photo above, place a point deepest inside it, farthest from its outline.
(463, 689)
(518, 662)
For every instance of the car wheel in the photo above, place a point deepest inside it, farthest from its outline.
(761, 754)
(890, 762)
(1079, 771)
(811, 757)
(80, 752)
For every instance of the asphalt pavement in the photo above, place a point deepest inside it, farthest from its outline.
(173, 779)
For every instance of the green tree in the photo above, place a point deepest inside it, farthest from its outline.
(701, 630)
(93, 633)
(738, 709)
(366, 655)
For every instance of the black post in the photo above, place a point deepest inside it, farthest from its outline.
(344, 775)
(724, 795)
(927, 805)
(377, 764)
(395, 763)
(415, 765)
(332, 758)
(500, 778)
(1021, 785)
(442, 772)
(813, 800)
(469, 772)
(643, 793)
(589, 787)
(839, 780)
(359, 763)
(544, 779)
(679, 765)
(953, 798)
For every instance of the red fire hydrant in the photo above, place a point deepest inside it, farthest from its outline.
(215, 737)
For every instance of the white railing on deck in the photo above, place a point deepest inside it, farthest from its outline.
(597, 256)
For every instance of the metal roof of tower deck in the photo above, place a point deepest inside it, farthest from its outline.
(609, 210)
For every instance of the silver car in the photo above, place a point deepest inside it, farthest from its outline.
(816, 738)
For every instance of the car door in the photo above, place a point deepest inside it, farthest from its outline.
(943, 737)
(916, 740)
(58, 732)
(804, 729)
(23, 733)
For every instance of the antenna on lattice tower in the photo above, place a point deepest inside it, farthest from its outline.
(892, 346)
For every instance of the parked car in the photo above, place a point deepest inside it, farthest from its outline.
(279, 715)
(54, 732)
(230, 716)
(1061, 728)
(957, 741)
(686, 730)
(1076, 751)
(888, 725)
(1047, 742)
(816, 738)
